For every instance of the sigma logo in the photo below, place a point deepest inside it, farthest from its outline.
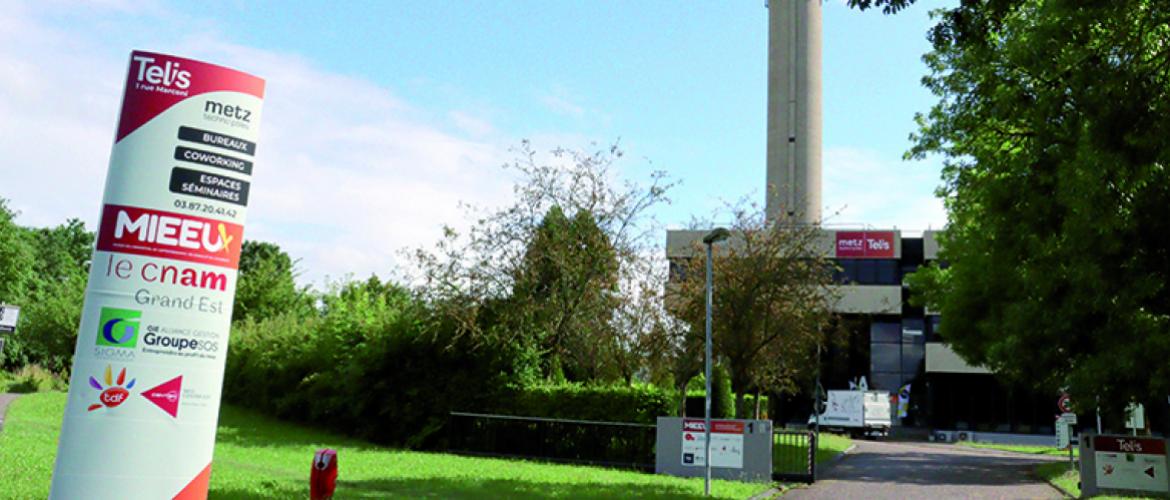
(155, 233)
(118, 327)
(167, 75)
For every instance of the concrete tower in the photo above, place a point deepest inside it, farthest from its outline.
(794, 110)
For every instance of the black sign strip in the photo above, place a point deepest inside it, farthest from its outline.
(211, 186)
(218, 140)
(229, 163)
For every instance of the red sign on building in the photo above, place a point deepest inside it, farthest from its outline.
(865, 245)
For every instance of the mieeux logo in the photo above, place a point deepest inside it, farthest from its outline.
(172, 231)
(118, 327)
(167, 75)
(154, 233)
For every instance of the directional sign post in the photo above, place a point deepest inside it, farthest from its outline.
(1123, 465)
(1062, 433)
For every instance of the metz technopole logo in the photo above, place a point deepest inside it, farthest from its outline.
(118, 327)
(113, 392)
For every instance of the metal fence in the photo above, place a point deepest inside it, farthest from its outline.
(794, 456)
(611, 444)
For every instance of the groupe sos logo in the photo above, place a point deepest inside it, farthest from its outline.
(167, 75)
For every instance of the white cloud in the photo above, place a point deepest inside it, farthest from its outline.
(862, 188)
(347, 172)
(559, 101)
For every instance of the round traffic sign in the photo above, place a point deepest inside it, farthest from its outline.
(1064, 403)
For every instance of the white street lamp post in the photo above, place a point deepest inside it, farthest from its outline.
(716, 235)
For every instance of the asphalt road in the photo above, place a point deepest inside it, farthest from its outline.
(928, 471)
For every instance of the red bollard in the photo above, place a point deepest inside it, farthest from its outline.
(323, 478)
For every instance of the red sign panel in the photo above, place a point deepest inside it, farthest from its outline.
(1140, 446)
(717, 426)
(158, 81)
(154, 233)
(865, 244)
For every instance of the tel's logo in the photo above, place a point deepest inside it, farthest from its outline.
(113, 393)
(118, 327)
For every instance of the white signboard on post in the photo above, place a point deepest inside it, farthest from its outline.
(1064, 425)
(8, 316)
(1137, 464)
(1062, 434)
(1135, 416)
(726, 443)
(148, 367)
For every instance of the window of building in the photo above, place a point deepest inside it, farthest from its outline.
(887, 272)
(868, 272)
(885, 332)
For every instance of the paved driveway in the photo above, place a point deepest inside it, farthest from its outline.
(4, 400)
(928, 471)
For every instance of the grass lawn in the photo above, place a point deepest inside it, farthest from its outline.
(260, 458)
(788, 457)
(1033, 450)
(1058, 474)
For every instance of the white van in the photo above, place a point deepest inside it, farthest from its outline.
(856, 413)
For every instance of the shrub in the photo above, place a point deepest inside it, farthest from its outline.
(722, 399)
(617, 403)
(32, 378)
(368, 364)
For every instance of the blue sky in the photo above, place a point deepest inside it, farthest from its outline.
(381, 116)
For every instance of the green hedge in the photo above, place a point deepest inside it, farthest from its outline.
(368, 364)
(637, 404)
(372, 363)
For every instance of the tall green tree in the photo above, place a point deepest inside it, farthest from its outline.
(771, 302)
(547, 270)
(1054, 123)
(52, 298)
(267, 283)
(565, 293)
(17, 256)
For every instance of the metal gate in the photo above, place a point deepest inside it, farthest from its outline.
(610, 444)
(794, 456)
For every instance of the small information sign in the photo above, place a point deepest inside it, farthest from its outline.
(726, 443)
(1135, 416)
(8, 316)
(1137, 464)
(1063, 433)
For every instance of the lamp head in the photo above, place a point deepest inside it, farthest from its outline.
(716, 235)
